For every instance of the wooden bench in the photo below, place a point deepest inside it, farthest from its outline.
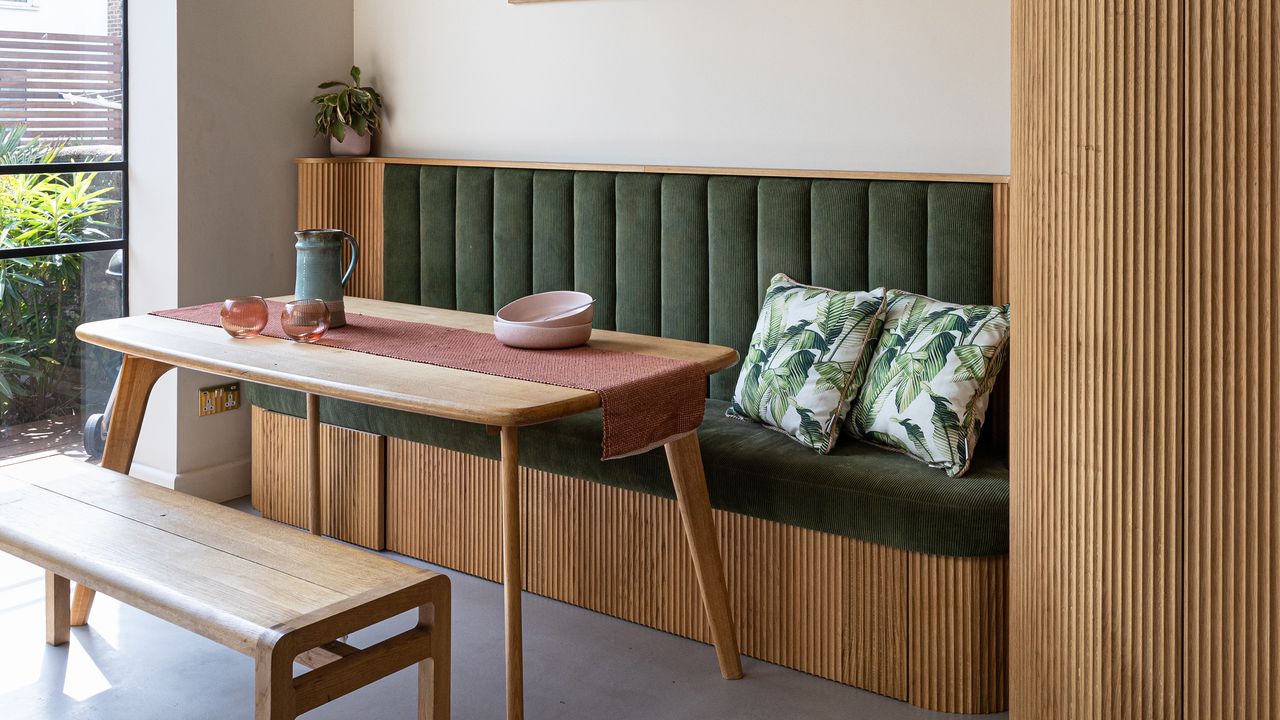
(270, 592)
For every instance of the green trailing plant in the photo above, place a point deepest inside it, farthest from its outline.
(353, 106)
(41, 296)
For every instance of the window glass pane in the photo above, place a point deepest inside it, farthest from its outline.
(61, 81)
(50, 208)
(50, 382)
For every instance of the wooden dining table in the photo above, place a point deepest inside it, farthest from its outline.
(152, 345)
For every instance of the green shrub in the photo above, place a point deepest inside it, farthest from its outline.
(41, 297)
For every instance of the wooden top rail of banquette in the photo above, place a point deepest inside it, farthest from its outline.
(675, 169)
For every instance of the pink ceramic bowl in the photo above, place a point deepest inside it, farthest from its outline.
(541, 338)
(541, 309)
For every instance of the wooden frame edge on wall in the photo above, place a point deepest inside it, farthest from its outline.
(674, 169)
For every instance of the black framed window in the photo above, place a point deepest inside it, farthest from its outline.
(64, 212)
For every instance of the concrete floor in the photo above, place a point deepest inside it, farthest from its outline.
(578, 665)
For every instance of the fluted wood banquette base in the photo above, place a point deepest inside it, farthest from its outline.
(926, 629)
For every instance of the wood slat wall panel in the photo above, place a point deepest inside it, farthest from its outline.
(959, 609)
(595, 547)
(996, 431)
(827, 605)
(452, 520)
(347, 196)
(1232, 628)
(353, 474)
(1145, 513)
(278, 467)
(873, 601)
(352, 477)
(1000, 243)
(1097, 409)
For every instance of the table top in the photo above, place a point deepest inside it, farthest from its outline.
(217, 571)
(375, 380)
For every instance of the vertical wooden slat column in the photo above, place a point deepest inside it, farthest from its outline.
(927, 629)
(1097, 411)
(1232, 628)
(424, 517)
(353, 470)
(996, 431)
(958, 641)
(347, 195)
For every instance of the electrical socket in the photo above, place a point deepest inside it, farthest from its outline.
(219, 398)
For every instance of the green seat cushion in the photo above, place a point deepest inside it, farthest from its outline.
(858, 491)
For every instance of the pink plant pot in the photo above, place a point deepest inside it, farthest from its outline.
(352, 145)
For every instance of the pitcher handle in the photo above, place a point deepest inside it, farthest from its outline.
(355, 255)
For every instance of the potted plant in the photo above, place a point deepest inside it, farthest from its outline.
(348, 115)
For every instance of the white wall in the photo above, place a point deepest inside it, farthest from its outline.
(153, 208)
(219, 108)
(898, 85)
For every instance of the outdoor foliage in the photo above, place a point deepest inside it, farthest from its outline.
(41, 297)
(15, 151)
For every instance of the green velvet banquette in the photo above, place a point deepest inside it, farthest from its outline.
(688, 255)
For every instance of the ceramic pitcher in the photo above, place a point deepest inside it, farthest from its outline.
(320, 274)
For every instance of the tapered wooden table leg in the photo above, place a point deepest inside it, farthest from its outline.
(684, 457)
(313, 464)
(128, 406)
(511, 577)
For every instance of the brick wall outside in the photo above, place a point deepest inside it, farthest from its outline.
(115, 18)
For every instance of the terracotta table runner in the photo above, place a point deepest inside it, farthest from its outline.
(646, 400)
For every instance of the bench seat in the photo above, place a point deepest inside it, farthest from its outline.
(858, 491)
(258, 587)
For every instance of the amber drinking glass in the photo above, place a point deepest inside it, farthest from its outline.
(244, 317)
(305, 320)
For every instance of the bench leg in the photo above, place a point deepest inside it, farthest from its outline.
(128, 405)
(57, 609)
(273, 685)
(81, 605)
(434, 673)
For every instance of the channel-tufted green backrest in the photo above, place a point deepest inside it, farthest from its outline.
(683, 256)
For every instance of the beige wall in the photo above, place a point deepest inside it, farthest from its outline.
(905, 85)
(219, 107)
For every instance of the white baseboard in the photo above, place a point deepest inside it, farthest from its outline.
(219, 483)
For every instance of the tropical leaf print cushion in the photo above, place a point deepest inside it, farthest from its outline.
(798, 376)
(930, 378)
